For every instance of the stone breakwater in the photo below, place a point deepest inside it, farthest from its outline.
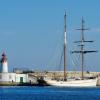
(59, 74)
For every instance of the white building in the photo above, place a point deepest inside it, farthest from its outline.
(5, 76)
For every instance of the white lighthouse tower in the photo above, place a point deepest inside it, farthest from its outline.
(4, 64)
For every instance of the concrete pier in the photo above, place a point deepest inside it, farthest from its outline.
(98, 82)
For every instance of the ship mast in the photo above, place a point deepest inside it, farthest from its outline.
(65, 42)
(82, 29)
(82, 44)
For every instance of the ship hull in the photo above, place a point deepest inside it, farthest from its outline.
(73, 83)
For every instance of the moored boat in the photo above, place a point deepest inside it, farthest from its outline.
(82, 82)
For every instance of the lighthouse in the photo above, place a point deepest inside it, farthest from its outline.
(7, 78)
(4, 64)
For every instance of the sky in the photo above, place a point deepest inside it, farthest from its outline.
(31, 32)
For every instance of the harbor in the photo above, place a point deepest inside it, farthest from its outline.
(30, 78)
(49, 50)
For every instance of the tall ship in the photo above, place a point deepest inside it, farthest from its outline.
(83, 81)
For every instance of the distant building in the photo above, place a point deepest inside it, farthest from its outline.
(5, 76)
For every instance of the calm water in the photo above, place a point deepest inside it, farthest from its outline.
(49, 93)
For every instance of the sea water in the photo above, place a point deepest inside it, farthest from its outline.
(49, 93)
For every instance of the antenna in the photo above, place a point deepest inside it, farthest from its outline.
(82, 44)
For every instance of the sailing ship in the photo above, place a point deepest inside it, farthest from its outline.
(82, 82)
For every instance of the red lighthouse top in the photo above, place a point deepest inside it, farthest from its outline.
(4, 58)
